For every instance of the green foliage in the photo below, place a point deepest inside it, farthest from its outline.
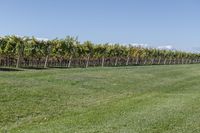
(70, 47)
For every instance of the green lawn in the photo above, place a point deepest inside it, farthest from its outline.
(143, 99)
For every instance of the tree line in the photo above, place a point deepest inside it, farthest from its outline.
(18, 51)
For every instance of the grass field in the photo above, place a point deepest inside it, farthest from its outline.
(143, 99)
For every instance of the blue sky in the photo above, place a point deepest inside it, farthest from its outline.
(152, 22)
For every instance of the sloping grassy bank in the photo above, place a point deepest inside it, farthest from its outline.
(143, 99)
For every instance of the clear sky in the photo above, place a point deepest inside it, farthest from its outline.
(152, 22)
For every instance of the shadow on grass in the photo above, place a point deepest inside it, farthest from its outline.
(59, 67)
(9, 69)
(34, 68)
